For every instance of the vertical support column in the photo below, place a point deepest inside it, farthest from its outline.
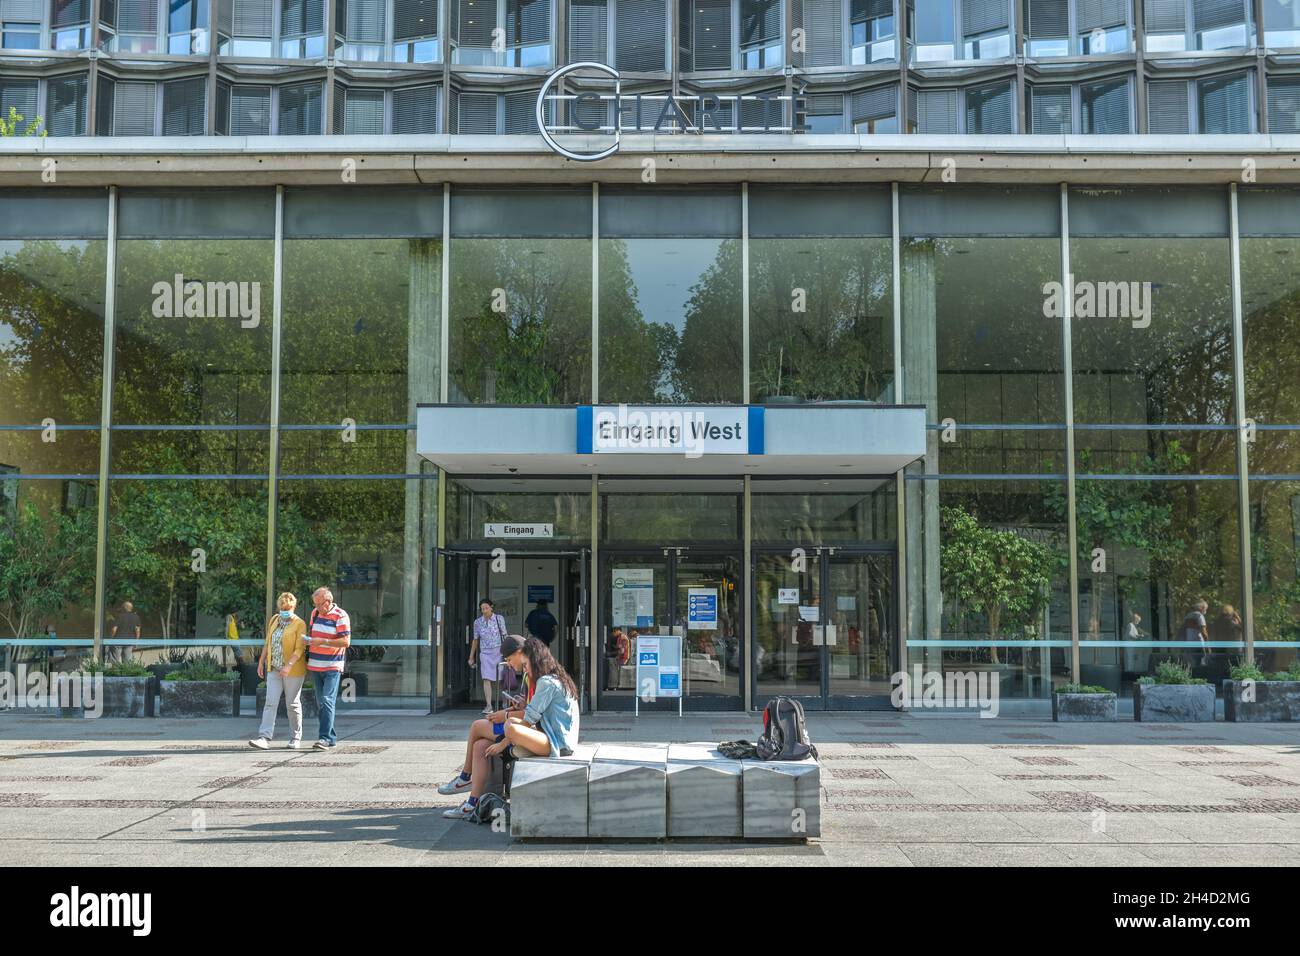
(900, 483)
(744, 292)
(596, 639)
(675, 51)
(749, 631)
(1072, 528)
(1261, 88)
(1018, 38)
(900, 30)
(444, 10)
(787, 19)
(1243, 460)
(1139, 67)
(277, 324)
(327, 100)
(444, 332)
(210, 119)
(92, 76)
(595, 292)
(440, 585)
(105, 426)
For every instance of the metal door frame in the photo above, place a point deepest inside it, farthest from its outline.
(582, 630)
(823, 700)
(671, 554)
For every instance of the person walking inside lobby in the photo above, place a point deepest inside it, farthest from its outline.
(283, 665)
(128, 622)
(329, 632)
(489, 629)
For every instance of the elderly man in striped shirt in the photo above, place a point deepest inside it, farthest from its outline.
(329, 632)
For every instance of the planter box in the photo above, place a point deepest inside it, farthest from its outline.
(1173, 703)
(1072, 707)
(159, 671)
(248, 678)
(200, 698)
(307, 698)
(122, 697)
(1275, 700)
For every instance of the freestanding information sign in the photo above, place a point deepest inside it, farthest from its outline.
(658, 669)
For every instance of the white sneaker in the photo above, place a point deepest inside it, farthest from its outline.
(322, 744)
(261, 743)
(293, 745)
(456, 784)
(461, 812)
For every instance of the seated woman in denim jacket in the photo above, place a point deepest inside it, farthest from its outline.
(547, 728)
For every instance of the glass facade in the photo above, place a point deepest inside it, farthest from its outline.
(394, 67)
(211, 396)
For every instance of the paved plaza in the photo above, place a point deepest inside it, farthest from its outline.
(898, 789)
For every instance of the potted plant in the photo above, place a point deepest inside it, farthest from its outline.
(202, 688)
(307, 698)
(1251, 695)
(173, 658)
(1072, 702)
(1173, 695)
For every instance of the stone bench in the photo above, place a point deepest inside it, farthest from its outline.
(663, 791)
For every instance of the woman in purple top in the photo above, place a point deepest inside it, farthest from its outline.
(489, 628)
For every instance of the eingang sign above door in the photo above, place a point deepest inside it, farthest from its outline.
(692, 431)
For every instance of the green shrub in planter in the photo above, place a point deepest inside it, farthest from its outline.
(131, 668)
(202, 688)
(1251, 695)
(1173, 695)
(1082, 689)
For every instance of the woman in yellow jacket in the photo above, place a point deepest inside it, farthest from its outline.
(284, 666)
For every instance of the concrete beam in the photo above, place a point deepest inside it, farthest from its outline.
(265, 160)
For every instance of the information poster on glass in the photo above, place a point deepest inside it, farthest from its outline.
(702, 609)
(632, 598)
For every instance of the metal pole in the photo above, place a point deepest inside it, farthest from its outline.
(273, 477)
(1239, 399)
(105, 426)
(1072, 530)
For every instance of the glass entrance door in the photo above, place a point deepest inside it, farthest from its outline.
(679, 592)
(824, 628)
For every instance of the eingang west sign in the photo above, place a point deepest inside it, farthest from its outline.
(654, 112)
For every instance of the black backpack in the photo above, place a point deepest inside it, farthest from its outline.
(784, 735)
(489, 808)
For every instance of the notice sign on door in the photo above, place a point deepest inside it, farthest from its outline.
(702, 609)
(787, 595)
(507, 529)
(632, 597)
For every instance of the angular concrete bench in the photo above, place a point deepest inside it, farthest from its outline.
(656, 791)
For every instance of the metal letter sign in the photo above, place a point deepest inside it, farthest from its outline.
(668, 112)
(541, 111)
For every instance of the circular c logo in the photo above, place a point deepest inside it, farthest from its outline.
(541, 111)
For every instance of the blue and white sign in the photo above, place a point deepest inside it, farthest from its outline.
(658, 667)
(541, 592)
(702, 609)
(690, 430)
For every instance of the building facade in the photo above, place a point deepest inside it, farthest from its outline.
(274, 318)
(472, 67)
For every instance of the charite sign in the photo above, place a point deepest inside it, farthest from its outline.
(653, 112)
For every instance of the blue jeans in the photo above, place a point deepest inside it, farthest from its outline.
(327, 692)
